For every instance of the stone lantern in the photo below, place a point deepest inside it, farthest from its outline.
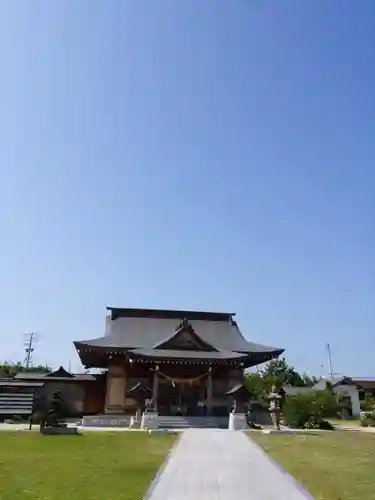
(274, 399)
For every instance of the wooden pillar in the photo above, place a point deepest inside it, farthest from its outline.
(209, 391)
(116, 388)
(155, 388)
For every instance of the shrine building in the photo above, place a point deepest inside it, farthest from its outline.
(179, 363)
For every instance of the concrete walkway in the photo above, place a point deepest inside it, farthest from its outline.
(220, 465)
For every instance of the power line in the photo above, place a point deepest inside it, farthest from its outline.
(30, 339)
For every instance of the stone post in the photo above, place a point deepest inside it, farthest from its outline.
(237, 419)
(116, 388)
(150, 415)
(209, 391)
(155, 389)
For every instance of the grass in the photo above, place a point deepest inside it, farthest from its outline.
(331, 465)
(354, 422)
(96, 466)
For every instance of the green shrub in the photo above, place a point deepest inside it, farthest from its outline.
(297, 411)
(368, 404)
(325, 425)
(310, 410)
(318, 424)
(368, 419)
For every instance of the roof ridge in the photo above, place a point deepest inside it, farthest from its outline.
(117, 312)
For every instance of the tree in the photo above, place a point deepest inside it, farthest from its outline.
(311, 409)
(38, 369)
(279, 373)
(368, 404)
(10, 369)
(254, 384)
(309, 381)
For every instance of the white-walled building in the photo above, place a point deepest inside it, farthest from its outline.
(342, 386)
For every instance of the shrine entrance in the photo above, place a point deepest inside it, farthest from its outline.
(181, 399)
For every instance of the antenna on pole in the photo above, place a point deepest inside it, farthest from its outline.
(30, 340)
(329, 360)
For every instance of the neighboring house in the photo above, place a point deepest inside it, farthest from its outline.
(366, 385)
(342, 386)
(79, 391)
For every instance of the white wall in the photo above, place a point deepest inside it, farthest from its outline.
(352, 392)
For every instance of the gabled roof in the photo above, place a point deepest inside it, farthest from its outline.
(139, 387)
(149, 332)
(128, 333)
(61, 372)
(184, 337)
(334, 381)
(320, 385)
(236, 389)
(59, 375)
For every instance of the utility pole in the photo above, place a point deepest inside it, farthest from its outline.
(30, 341)
(329, 360)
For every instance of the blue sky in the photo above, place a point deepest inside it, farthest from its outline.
(212, 155)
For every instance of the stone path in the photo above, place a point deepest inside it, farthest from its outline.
(221, 465)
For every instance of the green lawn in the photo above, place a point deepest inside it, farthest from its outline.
(345, 423)
(95, 466)
(335, 465)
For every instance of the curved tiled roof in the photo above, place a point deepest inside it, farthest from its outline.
(131, 333)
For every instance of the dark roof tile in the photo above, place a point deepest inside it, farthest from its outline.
(130, 333)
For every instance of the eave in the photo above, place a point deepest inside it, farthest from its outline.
(98, 357)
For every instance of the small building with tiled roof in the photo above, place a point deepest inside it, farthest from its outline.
(82, 392)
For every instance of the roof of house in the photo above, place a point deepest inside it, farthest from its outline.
(366, 384)
(321, 385)
(334, 381)
(59, 375)
(60, 372)
(237, 389)
(8, 382)
(151, 328)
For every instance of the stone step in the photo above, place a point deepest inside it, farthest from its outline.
(106, 420)
(190, 422)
